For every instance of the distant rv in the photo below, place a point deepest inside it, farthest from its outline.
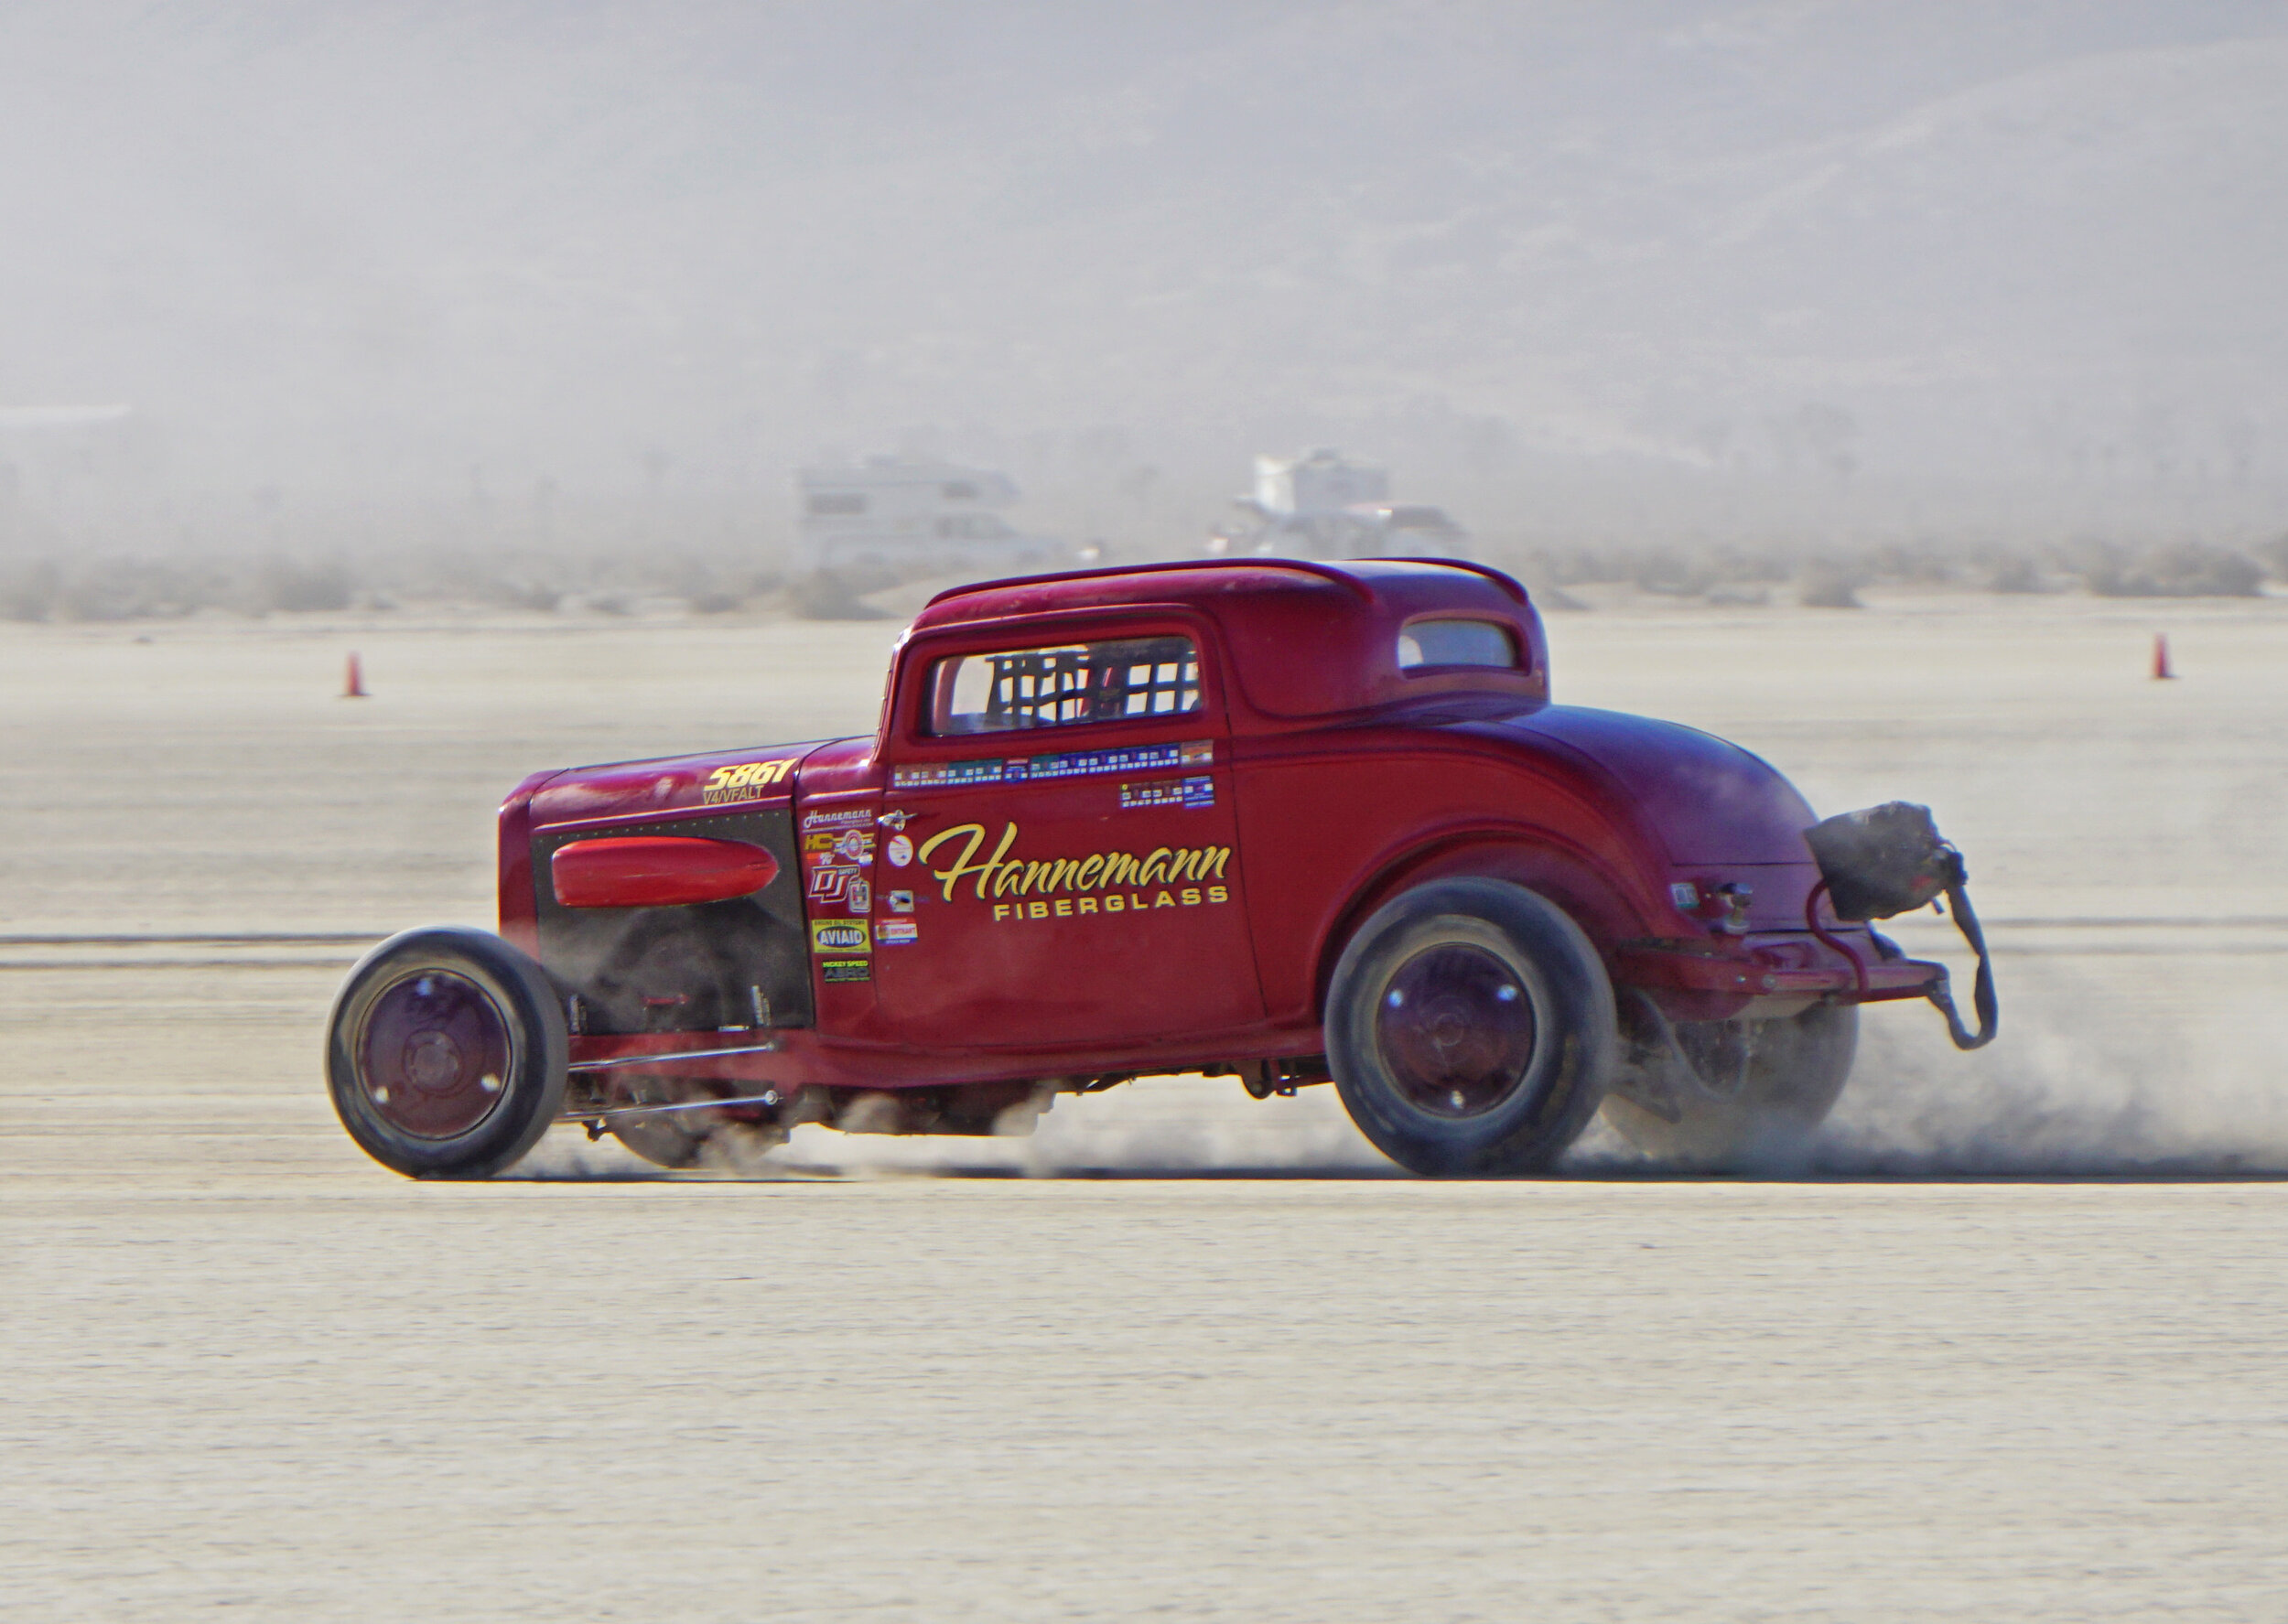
(1325, 506)
(911, 515)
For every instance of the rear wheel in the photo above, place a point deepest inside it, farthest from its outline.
(1470, 1028)
(1742, 1091)
(446, 1054)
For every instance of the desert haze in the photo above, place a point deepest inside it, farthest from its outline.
(362, 276)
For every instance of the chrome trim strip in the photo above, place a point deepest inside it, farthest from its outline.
(680, 1054)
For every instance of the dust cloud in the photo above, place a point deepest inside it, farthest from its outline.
(2082, 1088)
(2059, 1099)
(1168, 1127)
(2185, 1082)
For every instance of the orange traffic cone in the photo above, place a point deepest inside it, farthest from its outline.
(2161, 671)
(353, 681)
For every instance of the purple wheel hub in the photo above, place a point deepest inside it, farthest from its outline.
(1455, 1026)
(435, 1057)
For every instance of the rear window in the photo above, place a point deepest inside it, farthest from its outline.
(1427, 643)
(1130, 679)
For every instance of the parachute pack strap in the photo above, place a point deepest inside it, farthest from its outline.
(1982, 998)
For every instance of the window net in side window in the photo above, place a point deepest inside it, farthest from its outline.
(1456, 642)
(1135, 678)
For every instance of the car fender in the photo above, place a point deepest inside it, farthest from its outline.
(1591, 892)
(518, 907)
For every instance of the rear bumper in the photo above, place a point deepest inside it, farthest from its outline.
(1717, 979)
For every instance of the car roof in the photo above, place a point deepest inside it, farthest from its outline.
(1309, 638)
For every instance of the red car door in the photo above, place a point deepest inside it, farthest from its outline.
(1059, 864)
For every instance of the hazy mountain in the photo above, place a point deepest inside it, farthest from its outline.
(1607, 263)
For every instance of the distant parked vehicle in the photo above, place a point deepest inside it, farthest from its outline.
(913, 516)
(1325, 506)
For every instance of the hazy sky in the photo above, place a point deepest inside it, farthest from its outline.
(374, 253)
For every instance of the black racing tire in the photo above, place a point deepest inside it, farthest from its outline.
(446, 1054)
(1470, 1027)
(1796, 1068)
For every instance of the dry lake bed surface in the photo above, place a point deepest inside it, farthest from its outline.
(2007, 1346)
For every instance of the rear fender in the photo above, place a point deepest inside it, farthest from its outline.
(1595, 898)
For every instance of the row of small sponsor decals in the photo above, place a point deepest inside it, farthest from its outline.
(1068, 764)
(754, 781)
(838, 848)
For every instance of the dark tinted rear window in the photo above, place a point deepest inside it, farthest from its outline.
(1456, 642)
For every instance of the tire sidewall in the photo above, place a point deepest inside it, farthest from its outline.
(1576, 1036)
(539, 1053)
(1776, 1112)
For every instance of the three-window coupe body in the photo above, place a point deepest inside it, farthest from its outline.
(1296, 822)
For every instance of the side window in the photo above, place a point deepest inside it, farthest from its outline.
(1456, 642)
(1065, 686)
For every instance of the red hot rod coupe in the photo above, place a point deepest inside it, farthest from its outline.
(1300, 822)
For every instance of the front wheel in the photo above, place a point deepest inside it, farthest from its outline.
(446, 1054)
(1470, 1027)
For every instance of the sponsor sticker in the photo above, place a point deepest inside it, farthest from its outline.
(846, 970)
(899, 851)
(1199, 790)
(832, 885)
(1078, 908)
(899, 901)
(750, 781)
(1075, 764)
(934, 774)
(836, 860)
(1020, 887)
(840, 817)
(896, 932)
(839, 936)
